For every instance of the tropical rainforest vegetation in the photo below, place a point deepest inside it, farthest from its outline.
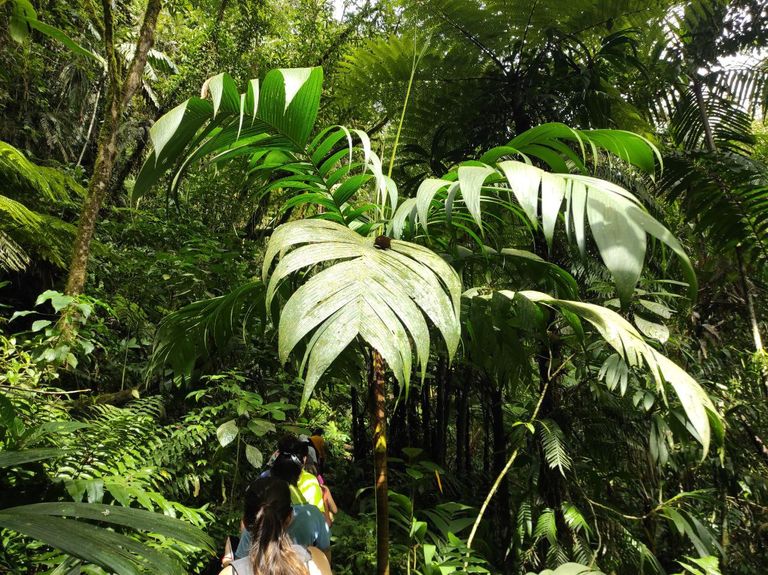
(509, 255)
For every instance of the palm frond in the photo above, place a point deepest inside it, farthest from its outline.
(277, 114)
(56, 524)
(196, 330)
(617, 220)
(731, 126)
(725, 194)
(624, 338)
(381, 291)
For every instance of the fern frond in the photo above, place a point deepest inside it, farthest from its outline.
(194, 331)
(725, 194)
(19, 175)
(12, 256)
(553, 445)
(29, 229)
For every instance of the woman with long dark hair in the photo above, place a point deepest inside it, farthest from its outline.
(266, 517)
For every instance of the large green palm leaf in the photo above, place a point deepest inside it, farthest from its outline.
(199, 329)
(380, 290)
(618, 222)
(61, 525)
(276, 114)
(627, 341)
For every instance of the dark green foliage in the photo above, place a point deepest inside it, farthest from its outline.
(169, 394)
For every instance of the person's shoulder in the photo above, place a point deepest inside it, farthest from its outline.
(240, 566)
(308, 480)
(308, 510)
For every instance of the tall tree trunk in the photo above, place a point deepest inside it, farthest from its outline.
(438, 439)
(461, 425)
(468, 425)
(118, 98)
(357, 446)
(398, 436)
(750, 301)
(447, 394)
(413, 424)
(379, 419)
(486, 442)
(426, 419)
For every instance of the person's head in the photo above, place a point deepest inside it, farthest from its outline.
(287, 467)
(300, 448)
(318, 431)
(286, 442)
(267, 515)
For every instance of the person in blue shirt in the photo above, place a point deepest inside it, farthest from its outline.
(267, 515)
(308, 527)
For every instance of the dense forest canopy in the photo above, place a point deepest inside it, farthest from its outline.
(503, 260)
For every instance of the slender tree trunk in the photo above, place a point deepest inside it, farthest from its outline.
(356, 447)
(398, 423)
(468, 426)
(486, 441)
(447, 394)
(413, 423)
(461, 425)
(426, 419)
(438, 439)
(749, 299)
(118, 99)
(379, 419)
(90, 124)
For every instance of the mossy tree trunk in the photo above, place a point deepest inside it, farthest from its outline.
(119, 94)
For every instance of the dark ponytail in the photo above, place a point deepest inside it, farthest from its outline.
(267, 513)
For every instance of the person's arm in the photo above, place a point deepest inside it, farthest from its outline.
(330, 504)
(226, 571)
(244, 545)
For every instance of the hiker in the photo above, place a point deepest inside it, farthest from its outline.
(267, 518)
(313, 486)
(309, 527)
(308, 484)
(309, 488)
(318, 442)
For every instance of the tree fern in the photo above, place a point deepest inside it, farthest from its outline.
(25, 184)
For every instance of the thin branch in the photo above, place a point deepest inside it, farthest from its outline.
(143, 44)
(507, 467)
(90, 126)
(525, 36)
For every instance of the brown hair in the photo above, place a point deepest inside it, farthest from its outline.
(267, 510)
